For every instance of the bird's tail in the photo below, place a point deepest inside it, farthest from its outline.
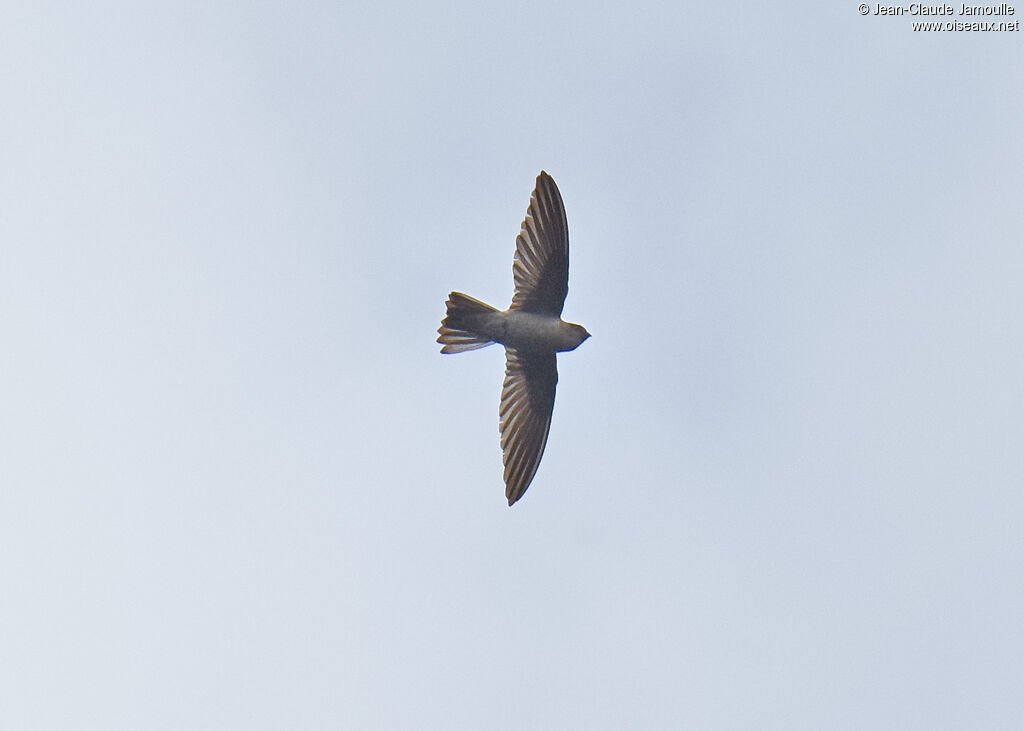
(460, 329)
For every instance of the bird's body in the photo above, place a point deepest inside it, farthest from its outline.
(531, 330)
(513, 328)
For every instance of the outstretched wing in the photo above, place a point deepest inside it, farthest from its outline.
(527, 400)
(541, 264)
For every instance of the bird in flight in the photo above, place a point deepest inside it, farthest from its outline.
(531, 329)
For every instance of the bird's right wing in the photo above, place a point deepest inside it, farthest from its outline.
(541, 264)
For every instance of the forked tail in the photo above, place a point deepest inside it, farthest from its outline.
(460, 329)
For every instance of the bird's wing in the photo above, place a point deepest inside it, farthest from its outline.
(527, 400)
(541, 264)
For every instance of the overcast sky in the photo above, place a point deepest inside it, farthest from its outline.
(240, 488)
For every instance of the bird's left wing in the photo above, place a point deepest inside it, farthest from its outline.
(527, 401)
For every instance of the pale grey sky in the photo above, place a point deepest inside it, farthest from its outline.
(241, 489)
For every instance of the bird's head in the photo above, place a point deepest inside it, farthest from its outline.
(578, 335)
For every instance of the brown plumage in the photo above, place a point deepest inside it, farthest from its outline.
(531, 330)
